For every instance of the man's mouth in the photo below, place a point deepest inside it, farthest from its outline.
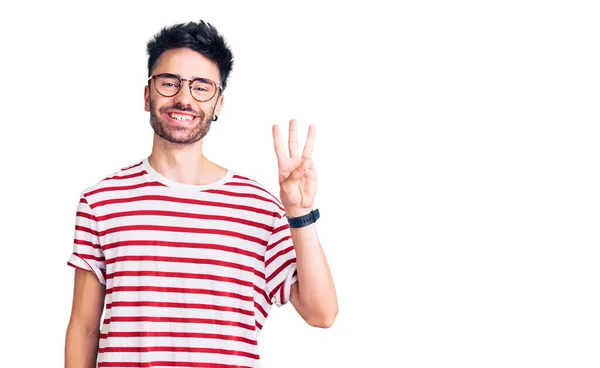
(180, 117)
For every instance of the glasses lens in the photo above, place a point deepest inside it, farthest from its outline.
(167, 85)
(203, 89)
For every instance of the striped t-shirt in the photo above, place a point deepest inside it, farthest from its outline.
(191, 272)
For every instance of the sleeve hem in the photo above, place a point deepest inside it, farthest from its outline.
(282, 293)
(78, 262)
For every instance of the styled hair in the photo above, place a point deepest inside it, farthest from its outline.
(201, 37)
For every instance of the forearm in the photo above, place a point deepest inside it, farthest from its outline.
(316, 289)
(81, 347)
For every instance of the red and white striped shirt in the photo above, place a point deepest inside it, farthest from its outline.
(191, 272)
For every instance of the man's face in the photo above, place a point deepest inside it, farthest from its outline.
(182, 119)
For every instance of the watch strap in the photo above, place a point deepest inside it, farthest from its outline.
(305, 220)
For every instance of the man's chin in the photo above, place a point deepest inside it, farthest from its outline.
(178, 134)
(181, 137)
(182, 140)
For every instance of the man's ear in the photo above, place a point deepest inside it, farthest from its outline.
(147, 98)
(219, 105)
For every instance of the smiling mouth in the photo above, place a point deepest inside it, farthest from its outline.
(181, 117)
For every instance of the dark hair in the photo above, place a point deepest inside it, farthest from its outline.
(201, 37)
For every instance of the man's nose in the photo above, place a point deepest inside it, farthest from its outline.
(184, 96)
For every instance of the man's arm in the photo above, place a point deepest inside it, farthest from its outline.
(83, 332)
(313, 295)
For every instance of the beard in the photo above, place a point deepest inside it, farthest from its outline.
(179, 134)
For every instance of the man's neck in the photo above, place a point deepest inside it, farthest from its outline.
(184, 164)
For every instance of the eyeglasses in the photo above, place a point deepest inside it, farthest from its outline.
(168, 85)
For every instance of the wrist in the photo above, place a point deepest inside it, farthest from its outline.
(305, 220)
(297, 212)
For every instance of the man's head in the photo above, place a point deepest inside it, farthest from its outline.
(188, 67)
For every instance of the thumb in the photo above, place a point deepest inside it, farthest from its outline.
(295, 175)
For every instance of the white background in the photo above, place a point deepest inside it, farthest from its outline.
(457, 152)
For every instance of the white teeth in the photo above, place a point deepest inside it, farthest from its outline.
(181, 117)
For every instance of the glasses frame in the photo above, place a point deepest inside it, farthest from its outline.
(218, 88)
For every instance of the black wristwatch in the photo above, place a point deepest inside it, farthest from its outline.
(309, 218)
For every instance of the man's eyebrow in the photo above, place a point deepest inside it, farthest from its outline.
(202, 79)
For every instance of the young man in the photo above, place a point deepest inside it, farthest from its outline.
(189, 256)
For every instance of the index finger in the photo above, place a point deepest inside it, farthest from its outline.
(278, 143)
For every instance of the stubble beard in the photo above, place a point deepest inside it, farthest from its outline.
(165, 131)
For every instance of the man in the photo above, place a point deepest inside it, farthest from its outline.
(188, 255)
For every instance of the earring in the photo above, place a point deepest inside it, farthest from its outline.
(215, 118)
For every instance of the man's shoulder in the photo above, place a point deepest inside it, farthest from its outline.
(127, 175)
(242, 183)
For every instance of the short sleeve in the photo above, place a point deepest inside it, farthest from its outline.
(280, 263)
(87, 253)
